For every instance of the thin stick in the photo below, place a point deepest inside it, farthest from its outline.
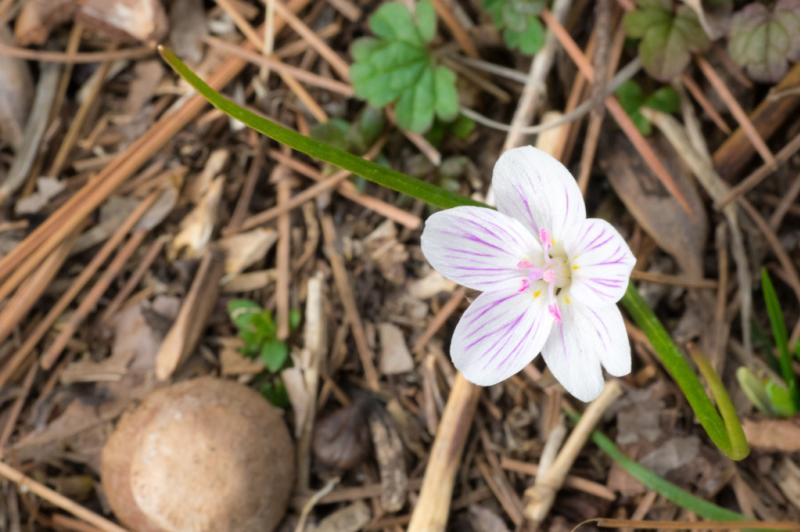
(78, 57)
(439, 319)
(309, 193)
(337, 63)
(90, 300)
(130, 285)
(340, 277)
(456, 29)
(16, 408)
(596, 120)
(56, 499)
(788, 200)
(736, 110)
(701, 99)
(621, 117)
(349, 191)
(792, 278)
(252, 36)
(278, 66)
(543, 493)
(77, 121)
(577, 483)
(427, 149)
(721, 326)
(283, 253)
(32, 288)
(673, 280)
(433, 505)
(235, 224)
(760, 174)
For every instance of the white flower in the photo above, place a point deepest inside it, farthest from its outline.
(550, 278)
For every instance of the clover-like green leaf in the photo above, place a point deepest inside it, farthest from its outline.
(763, 41)
(519, 22)
(668, 36)
(631, 97)
(396, 66)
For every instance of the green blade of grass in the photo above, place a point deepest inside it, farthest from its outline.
(780, 335)
(380, 175)
(724, 431)
(663, 487)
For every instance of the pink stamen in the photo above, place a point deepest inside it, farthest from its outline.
(525, 285)
(524, 264)
(549, 276)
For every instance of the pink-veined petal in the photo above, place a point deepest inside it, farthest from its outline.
(585, 338)
(600, 262)
(499, 334)
(479, 248)
(536, 189)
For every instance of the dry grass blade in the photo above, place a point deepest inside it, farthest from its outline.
(45, 56)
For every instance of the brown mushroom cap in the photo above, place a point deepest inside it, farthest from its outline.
(200, 455)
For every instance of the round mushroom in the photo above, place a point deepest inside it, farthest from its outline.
(200, 455)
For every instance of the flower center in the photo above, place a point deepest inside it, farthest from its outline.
(554, 272)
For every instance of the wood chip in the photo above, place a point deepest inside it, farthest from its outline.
(773, 434)
(395, 357)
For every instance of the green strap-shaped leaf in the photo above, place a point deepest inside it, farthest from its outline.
(725, 432)
(378, 174)
(780, 335)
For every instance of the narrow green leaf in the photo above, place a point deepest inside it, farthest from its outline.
(780, 335)
(780, 399)
(381, 175)
(663, 487)
(754, 388)
(726, 431)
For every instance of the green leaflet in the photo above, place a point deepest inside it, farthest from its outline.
(396, 66)
(519, 22)
(724, 431)
(764, 41)
(668, 36)
(632, 99)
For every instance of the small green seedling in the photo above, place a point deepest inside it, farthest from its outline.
(773, 395)
(632, 99)
(519, 22)
(396, 66)
(258, 331)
